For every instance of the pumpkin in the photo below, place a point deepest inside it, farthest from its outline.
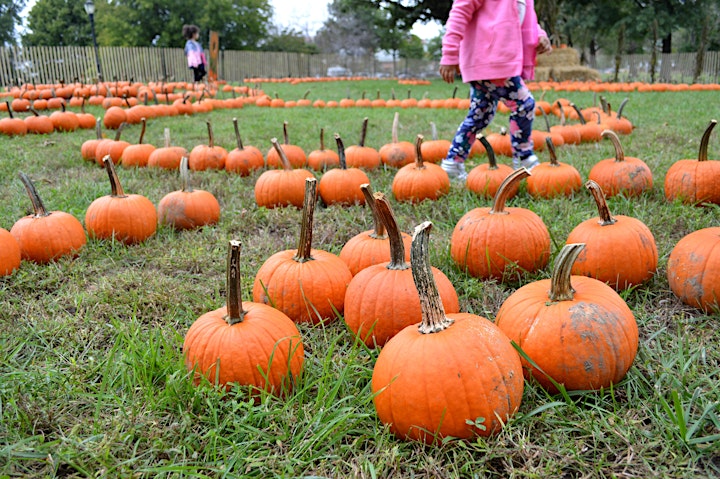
(129, 219)
(372, 246)
(382, 299)
(12, 126)
(89, 147)
(111, 147)
(623, 174)
(485, 179)
(578, 331)
(378, 102)
(619, 250)
(589, 131)
(397, 153)
(570, 133)
(244, 343)
(497, 241)
(306, 284)
(38, 124)
(10, 256)
(207, 157)
(360, 155)
(321, 159)
(45, 236)
(341, 186)
(245, 158)
(693, 269)
(695, 181)
(64, 120)
(500, 142)
(453, 375)
(556, 137)
(167, 157)
(137, 155)
(551, 179)
(283, 187)
(420, 181)
(188, 208)
(114, 117)
(295, 154)
(617, 122)
(435, 150)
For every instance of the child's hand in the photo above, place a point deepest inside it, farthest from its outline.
(544, 45)
(448, 72)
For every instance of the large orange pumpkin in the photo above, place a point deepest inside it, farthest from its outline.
(167, 157)
(693, 269)
(294, 153)
(10, 257)
(188, 208)
(553, 178)
(137, 155)
(322, 158)
(623, 174)
(207, 157)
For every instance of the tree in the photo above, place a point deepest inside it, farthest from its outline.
(58, 22)
(350, 29)
(9, 19)
(288, 40)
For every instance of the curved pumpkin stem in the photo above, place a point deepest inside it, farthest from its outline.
(562, 113)
(115, 186)
(38, 206)
(418, 153)
(120, 130)
(185, 175)
(598, 195)
(551, 151)
(612, 136)
(235, 312)
(363, 132)
(580, 115)
(703, 155)
(237, 135)
(620, 108)
(492, 160)
(143, 127)
(322, 139)
(286, 137)
(545, 117)
(283, 157)
(397, 247)
(211, 137)
(378, 226)
(395, 124)
(560, 287)
(305, 243)
(501, 196)
(434, 319)
(341, 151)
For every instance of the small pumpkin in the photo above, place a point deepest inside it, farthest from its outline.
(111, 147)
(12, 126)
(397, 153)
(341, 186)
(623, 174)
(420, 181)
(485, 179)
(553, 178)
(436, 149)
(321, 159)
(245, 158)
(695, 181)
(453, 375)
(38, 124)
(207, 157)
(294, 153)
(114, 117)
(167, 157)
(360, 155)
(244, 342)
(188, 208)
(281, 187)
(693, 269)
(137, 155)
(64, 120)
(10, 257)
(89, 147)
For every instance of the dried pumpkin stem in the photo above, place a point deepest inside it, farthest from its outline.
(143, 127)
(501, 196)
(492, 160)
(166, 134)
(283, 157)
(120, 130)
(237, 135)
(235, 312)
(397, 247)
(341, 152)
(38, 206)
(545, 117)
(434, 319)
(378, 226)
(286, 137)
(620, 108)
(551, 151)
(703, 154)
(185, 175)
(322, 139)
(305, 243)
(211, 137)
(612, 136)
(596, 191)
(98, 128)
(433, 131)
(418, 153)
(115, 186)
(560, 287)
(579, 113)
(363, 132)
(395, 124)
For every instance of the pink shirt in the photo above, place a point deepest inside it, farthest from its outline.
(486, 39)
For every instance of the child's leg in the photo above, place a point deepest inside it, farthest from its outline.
(519, 99)
(480, 114)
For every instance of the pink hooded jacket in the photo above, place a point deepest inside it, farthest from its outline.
(486, 39)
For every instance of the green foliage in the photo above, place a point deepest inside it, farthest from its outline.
(58, 22)
(9, 19)
(288, 41)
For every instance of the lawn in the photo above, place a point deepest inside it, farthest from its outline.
(92, 378)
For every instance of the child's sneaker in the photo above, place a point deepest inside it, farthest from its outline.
(454, 169)
(529, 163)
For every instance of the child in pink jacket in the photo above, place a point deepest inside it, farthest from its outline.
(493, 44)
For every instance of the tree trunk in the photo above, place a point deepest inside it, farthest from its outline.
(702, 44)
(619, 52)
(653, 51)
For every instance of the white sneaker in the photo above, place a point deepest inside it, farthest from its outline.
(454, 169)
(528, 163)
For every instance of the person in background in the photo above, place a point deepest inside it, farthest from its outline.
(194, 52)
(493, 45)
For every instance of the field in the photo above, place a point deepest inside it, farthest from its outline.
(92, 379)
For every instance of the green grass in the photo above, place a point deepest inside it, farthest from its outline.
(92, 379)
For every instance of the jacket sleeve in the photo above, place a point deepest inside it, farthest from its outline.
(455, 27)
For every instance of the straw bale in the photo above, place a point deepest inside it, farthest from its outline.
(559, 57)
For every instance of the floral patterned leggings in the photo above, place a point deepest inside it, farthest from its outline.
(484, 96)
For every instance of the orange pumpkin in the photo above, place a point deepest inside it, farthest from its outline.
(693, 269)
(553, 178)
(695, 181)
(341, 185)
(167, 157)
(138, 154)
(207, 157)
(420, 181)
(360, 155)
(295, 154)
(623, 174)
(188, 208)
(12, 126)
(435, 150)
(111, 147)
(114, 117)
(485, 179)
(397, 153)
(245, 158)
(321, 159)
(281, 187)
(10, 257)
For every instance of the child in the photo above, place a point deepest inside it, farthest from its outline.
(493, 46)
(194, 51)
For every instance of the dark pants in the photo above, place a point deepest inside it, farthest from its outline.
(199, 72)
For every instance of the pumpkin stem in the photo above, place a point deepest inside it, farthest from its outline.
(454, 92)
(397, 248)
(363, 131)
(560, 287)
(395, 124)
(237, 135)
(341, 151)
(562, 113)
(305, 95)
(38, 206)
(501, 196)
(606, 218)
(434, 319)
(580, 115)
(703, 155)
(98, 128)
(283, 157)
(211, 137)
(235, 312)
(545, 117)
(119, 131)
(378, 226)
(305, 243)
(9, 109)
(492, 160)
(322, 139)
(115, 186)
(185, 175)
(433, 131)
(551, 151)
(285, 133)
(619, 153)
(620, 108)
(418, 153)
(166, 133)
(143, 127)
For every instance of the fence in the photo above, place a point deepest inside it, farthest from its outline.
(43, 65)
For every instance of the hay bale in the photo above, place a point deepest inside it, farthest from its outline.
(574, 73)
(559, 57)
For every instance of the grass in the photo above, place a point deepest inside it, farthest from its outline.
(92, 380)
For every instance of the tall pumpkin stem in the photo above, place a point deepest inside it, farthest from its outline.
(434, 319)
(166, 134)
(551, 151)
(492, 160)
(433, 131)
(579, 113)
(596, 191)
(378, 226)
(185, 175)
(237, 135)
(501, 196)
(283, 157)
(703, 155)
(418, 153)
(363, 132)
(119, 131)
(612, 136)
(395, 124)
(322, 139)
(560, 287)
(341, 152)
(286, 137)
(143, 123)
(38, 206)
(116, 190)
(397, 247)
(235, 312)
(98, 128)
(211, 137)
(305, 243)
